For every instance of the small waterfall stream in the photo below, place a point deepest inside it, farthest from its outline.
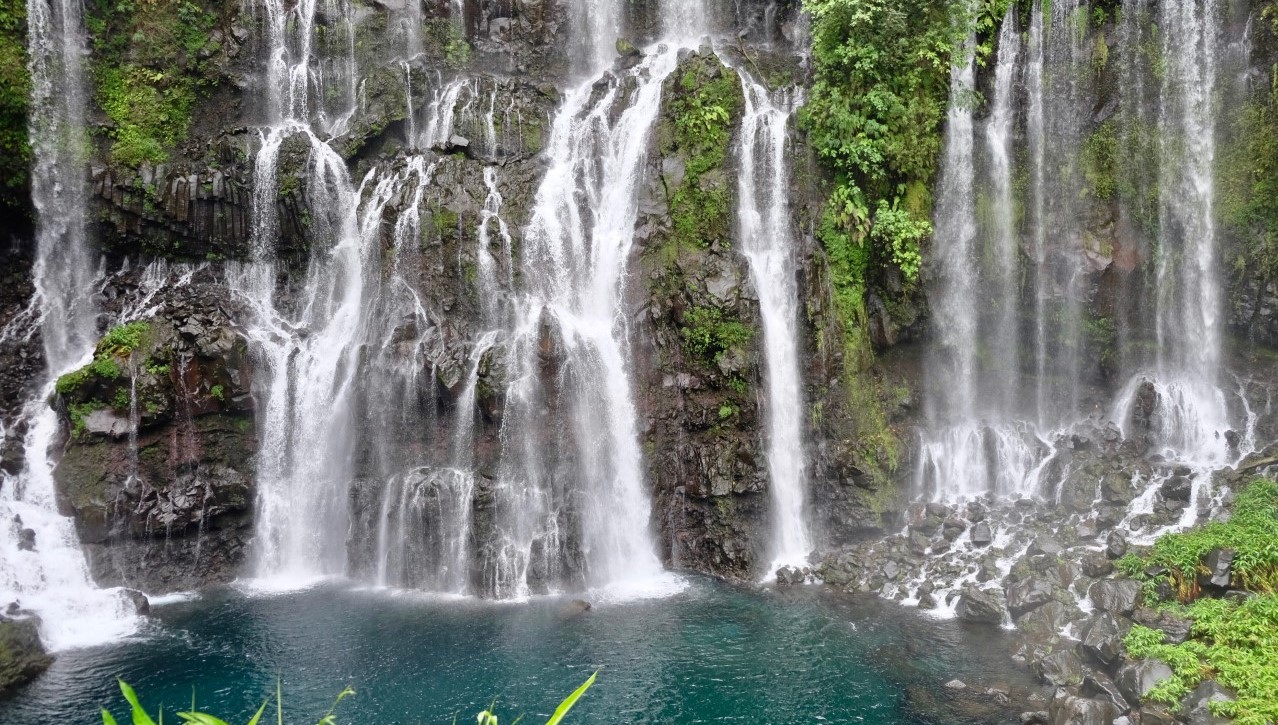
(768, 244)
(47, 573)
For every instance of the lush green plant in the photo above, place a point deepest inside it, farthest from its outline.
(1251, 532)
(147, 67)
(1237, 644)
(124, 339)
(140, 716)
(15, 90)
(448, 42)
(708, 334)
(1100, 161)
(104, 368)
(218, 392)
(1249, 182)
(705, 101)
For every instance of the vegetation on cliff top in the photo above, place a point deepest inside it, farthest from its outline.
(1233, 640)
(15, 89)
(149, 61)
(706, 101)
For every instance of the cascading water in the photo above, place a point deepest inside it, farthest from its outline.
(574, 265)
(47, 572)
(1002, 246)
(1010, 412)
(768, 245)
(309, 355)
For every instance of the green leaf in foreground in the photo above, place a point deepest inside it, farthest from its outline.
(571, 700)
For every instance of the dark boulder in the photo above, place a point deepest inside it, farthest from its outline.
(1177, 488)
(790, 576)
(1096, 564)
(22, 656)
(1175, 628)
(1119, 596)
(1196, 706)
(1099, 686)
(980, 606)
(1029, 594)
(1047, 621)
(981, 534)
(1069, 709)
(1102, 638)
(1062, 669)
(1045, 545)
(1219, 564)
(1136, 679)
(1116, 545)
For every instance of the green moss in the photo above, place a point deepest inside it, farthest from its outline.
(218, 392)
(706, 100)
(1248, 184)
(147, 72)
(1100, 161)
(124, 339)
(102, 368)
(446, 42)
(15, 90)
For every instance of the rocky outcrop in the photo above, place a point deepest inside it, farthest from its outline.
(700, 369)
(22, 657)
(158, 467)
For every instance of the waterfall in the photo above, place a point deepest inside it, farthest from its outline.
(768, 245)
(51, 577)
(957, 268)
(575, 258)
(595, 29)
(1190, 304)
(1003, 249)
(309, 356)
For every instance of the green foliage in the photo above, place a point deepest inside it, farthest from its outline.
(103, 368)
(124, 339)
(1100, 161)
(1252, 533)
(218, 392)
(147, 71)
(447, 42)
(15, 90)
(704, 103)
(1237, 644)
(902, 233)
(139, 715)
(707, 334)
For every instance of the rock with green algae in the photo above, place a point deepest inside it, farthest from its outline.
(22, 656)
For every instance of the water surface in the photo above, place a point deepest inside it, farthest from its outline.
(713, 653)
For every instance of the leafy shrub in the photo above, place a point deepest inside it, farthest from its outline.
(124, 339)
(1235, 644)
(1251, 532)
(707, 334)
(139, 715)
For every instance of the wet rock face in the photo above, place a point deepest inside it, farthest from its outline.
(158, 466)
(22, 656)
(699, 368)
(21, 354)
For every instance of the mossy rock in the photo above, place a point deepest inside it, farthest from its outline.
(22, 656)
